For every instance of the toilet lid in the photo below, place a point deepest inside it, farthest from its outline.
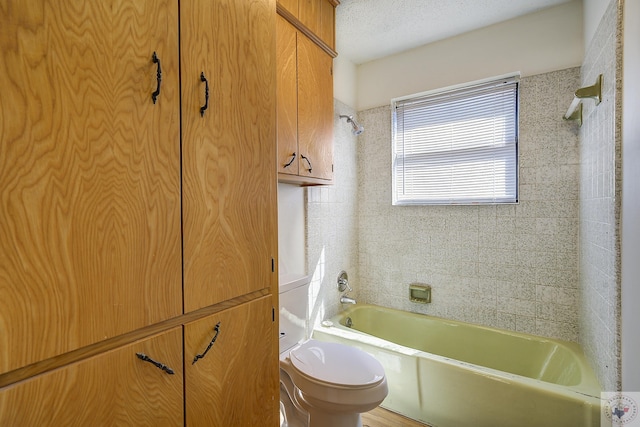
(336, 364)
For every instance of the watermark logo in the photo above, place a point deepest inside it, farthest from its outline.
(620, 409)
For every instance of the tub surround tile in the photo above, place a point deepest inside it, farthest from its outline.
(509, 249)
(600, 185)
(526, 324)
(331, 229)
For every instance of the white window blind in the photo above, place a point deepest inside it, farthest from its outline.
(457, 146)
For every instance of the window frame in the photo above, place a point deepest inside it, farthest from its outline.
(455, 91)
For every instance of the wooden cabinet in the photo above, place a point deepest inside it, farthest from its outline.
(319, 17)
(124, 218)
(234, 383)
(229, 154)
(287, 100)
(315, 110)
(316, 18)
(116, 388)
(305, 108)
(89, 174)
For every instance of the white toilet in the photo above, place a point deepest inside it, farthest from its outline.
(322, 384)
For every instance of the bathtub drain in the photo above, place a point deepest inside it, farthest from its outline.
(348, 322)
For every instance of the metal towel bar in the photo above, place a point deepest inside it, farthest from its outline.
(575, 109)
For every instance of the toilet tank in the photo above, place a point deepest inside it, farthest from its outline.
(293, 313)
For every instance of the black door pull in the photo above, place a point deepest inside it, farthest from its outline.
(155, 94)
(206, 94)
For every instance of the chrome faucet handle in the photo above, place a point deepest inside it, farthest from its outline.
(343, 282)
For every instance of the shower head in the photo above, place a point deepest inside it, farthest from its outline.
(357, 128)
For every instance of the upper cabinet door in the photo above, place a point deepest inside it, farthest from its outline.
(319, 17)
(290, 5)
(89, 173)
(327, 22)
(229, 148)
(287, 98)
(315, 110)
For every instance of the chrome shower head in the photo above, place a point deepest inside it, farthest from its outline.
(357, 128)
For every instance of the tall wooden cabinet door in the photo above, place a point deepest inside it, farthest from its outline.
(235, 382)
(287, 97)
(116, 388)
(315, 110)
(89, 173)
(229, 148)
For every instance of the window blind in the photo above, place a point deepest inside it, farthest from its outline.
(458, 146)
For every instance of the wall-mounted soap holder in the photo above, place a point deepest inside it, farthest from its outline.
(420, 293)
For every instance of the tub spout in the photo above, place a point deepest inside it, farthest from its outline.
(347, 300)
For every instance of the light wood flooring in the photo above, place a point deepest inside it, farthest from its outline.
(380, 417)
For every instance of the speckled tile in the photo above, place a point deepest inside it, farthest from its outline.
(600, 204)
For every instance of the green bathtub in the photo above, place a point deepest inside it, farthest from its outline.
(454, 374)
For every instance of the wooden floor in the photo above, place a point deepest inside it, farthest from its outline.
(380, 417)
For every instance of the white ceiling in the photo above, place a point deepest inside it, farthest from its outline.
(371, 29)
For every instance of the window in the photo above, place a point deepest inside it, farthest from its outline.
(457, 145)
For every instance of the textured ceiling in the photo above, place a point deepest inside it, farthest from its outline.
(371, 29)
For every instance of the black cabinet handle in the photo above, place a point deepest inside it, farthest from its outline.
(155, 94)
(293, 157)
(158, 365)
(200, 356)
(308, 161)
(206, 94)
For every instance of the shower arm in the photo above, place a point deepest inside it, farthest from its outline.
(357, 129)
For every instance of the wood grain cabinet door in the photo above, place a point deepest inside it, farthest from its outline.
(319, 17)
(287, 97)
(229, 148)
(315, 110)
(309, 14)
(235, 382)
(89, 173)
(116, 388)
(327, 32)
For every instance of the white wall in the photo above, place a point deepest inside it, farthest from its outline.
(536, 43)
(593, 12)
(291, 231)
(344, 81)
(631, 198)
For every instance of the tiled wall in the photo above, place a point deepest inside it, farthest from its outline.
(548, 266)
(510, 266)
(332, 241)
(600, 204)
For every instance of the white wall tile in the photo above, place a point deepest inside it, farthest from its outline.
(600, 204)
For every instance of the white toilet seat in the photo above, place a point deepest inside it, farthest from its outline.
(336, 365)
